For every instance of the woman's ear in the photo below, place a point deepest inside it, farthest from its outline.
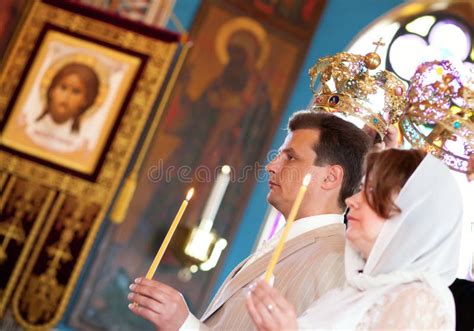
(333, 178)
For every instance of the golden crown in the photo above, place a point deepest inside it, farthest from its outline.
(349, 86)
(440, 113)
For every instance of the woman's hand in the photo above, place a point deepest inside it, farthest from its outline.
(269, 310)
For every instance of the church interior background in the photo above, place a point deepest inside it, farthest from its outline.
(181, 93)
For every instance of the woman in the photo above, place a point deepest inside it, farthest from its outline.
(402, 249)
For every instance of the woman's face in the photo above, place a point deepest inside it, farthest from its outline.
(67, 98)
(364, 225)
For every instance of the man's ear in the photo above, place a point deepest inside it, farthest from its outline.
(333, 178)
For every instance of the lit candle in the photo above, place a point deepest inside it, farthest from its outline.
(215, 199)
(166, 241)
(289, 222)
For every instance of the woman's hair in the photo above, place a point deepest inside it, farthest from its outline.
(387, 172)
(90, 80)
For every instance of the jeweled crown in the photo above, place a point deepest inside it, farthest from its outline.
(350, 85)
(440, 111)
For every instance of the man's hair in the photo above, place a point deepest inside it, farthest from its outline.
(340, 143)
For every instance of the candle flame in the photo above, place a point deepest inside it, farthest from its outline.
(190, 194)
(306, 180)
(225, 170)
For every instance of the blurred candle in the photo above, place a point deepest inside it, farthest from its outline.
(166, 241)
(286, 229)
(215, 199)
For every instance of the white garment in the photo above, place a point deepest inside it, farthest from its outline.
(298, 228)
(415, 256)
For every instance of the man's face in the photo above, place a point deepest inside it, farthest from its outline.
(295, 159)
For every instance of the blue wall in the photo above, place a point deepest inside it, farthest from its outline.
(339, 24)
(185, 10)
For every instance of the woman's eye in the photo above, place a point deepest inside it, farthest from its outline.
(290, 157)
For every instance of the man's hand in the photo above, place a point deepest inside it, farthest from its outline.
(161, 304)
(389, 141)
(391, 137)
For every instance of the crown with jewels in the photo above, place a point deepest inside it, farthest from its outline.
(350, 86)
(440, 112)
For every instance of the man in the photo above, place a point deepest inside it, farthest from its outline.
(311, 263)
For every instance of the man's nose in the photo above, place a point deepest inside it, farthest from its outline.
(273, 166)
(269, 168)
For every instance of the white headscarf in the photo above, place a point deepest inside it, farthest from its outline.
(422, 243)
